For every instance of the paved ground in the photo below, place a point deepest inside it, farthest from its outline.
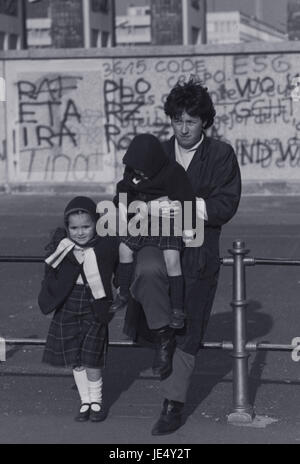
(38, 403)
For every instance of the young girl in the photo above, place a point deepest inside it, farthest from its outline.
(149, 175)
(77, 286)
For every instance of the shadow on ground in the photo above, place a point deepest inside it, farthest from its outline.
(218, 364)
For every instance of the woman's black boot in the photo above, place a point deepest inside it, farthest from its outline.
(165, 347)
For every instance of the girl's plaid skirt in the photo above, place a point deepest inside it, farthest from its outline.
(75, 338)
(164, 242)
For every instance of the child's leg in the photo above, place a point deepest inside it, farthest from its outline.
(125, 254)
(125, 271)
(95, 385)
(81, 380)
(172, 260)
(176, 281)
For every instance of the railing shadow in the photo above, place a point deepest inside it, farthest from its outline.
(220, 365)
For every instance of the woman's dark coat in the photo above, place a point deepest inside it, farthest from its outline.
(215, 176)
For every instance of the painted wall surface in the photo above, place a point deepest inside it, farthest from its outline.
(57, 123)
(71, 120)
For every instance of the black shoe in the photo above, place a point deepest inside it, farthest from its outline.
(83, 416)
(98, 416)
(170, 418)
(177, 320)
(119, 303)
(165, 347)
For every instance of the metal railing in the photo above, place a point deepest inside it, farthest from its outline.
(242, 410)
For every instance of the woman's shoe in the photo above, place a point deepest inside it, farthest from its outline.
(99, 414)
(170, 418)
(84, 415)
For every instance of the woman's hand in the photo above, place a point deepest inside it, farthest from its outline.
(188, 236)
(165, 207)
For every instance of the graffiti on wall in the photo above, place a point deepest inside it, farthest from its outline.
(253, 97)
(256, 103)
(56, 135)
(44, 115)
(76, 126)
(130, 109)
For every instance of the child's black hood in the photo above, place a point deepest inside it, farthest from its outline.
(145, 153)
(85, 204)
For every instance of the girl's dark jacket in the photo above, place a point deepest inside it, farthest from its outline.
(166, 176)
(58, 283)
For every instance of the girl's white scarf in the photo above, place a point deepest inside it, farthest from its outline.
(90, 265)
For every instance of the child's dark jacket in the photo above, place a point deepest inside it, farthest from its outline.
(58, 283)
(166, 177)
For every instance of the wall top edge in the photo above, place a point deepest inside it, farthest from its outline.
(149, 51)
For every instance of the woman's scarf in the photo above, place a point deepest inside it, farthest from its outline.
(90, 265)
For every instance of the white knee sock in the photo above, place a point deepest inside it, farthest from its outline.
(95, 391)
(81, 381)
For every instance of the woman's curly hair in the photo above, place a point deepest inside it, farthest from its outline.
(192, 98)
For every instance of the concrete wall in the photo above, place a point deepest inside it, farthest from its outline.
(70, 115)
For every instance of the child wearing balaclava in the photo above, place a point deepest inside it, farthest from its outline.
(150, 175)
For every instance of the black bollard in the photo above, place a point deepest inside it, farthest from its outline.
(242, 410)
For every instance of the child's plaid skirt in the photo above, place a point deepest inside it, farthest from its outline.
(75, 338)
(163, 242)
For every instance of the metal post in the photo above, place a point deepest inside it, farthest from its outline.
(114, 24)
(86, 14)
(242, 410)
(204, 22)
(24, 24)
